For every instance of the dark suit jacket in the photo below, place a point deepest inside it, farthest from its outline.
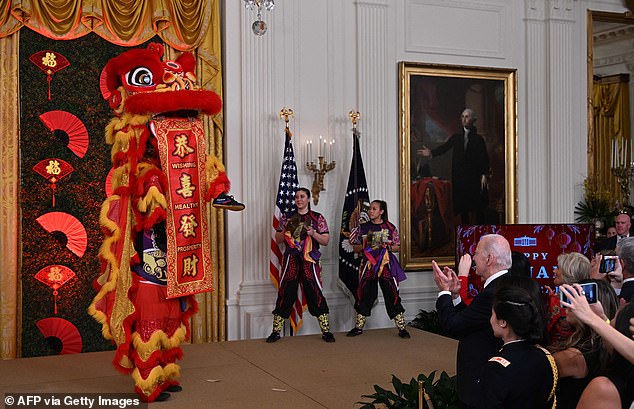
(627, 291)
(471, 326)
(467, 168)
(607, 244)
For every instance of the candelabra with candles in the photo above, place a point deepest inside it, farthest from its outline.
(622, 169)
(323, 165)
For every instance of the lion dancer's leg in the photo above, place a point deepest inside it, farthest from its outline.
(159, 325)
(219, 186)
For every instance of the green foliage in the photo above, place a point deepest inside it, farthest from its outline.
(427, 321)
(442, 393)
(597, 204)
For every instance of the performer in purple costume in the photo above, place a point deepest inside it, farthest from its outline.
(376, 240)
(303, 233)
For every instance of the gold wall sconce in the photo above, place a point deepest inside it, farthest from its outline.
(321, 166)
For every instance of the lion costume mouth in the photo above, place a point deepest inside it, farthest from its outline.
(161, 102)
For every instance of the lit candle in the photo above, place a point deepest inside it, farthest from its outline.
(310, 150)
(331, 143)
(320, 145)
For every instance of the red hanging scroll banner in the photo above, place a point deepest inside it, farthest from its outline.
(182, 151)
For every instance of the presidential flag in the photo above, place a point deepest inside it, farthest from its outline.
(355, 206)
(285, 205)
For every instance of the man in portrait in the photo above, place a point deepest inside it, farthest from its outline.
(469, 169)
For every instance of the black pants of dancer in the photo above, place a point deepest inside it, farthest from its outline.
(368, 292)
(296, 270)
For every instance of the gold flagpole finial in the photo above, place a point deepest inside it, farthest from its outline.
(286, 113)
(354, 117)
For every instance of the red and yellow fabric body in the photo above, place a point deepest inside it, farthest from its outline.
(156, 253)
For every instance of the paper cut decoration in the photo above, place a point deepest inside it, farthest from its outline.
(76, 237)
(63, 330)
(54, 170)
(50, 62)
(55, 276)
(75, 129)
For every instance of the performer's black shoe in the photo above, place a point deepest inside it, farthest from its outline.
(275, 336)
(403, 333)
(174, 388)
(225, 201)
(328, 337)
(162, 397)
(354, 332)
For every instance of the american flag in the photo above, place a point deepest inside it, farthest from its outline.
(285, 205)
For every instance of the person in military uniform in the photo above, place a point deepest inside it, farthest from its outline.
(522, 374)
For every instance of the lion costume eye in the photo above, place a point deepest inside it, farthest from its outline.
(140, 77)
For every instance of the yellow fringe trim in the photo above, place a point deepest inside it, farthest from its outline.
(213, 167)
(108, 280)
(159, 340)
(156, 377)
(152, 199)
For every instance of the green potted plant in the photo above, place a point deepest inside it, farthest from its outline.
(441, 392)
(597, 205)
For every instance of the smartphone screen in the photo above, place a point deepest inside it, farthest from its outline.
(590, 290)
(608, 264)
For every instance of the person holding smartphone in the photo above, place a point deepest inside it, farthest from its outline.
(582, 355)
(625, 252)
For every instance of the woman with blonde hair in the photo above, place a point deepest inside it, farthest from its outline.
(571, 268)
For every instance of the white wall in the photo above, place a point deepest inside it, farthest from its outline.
(323, 58)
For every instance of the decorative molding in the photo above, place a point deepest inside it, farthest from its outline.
(426, 23)
(536, 10)
(562, 10)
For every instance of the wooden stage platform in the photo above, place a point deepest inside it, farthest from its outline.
(295, 372)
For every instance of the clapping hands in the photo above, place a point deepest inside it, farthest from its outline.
(446, 279)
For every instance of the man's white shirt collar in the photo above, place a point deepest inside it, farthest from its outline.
(494, 276)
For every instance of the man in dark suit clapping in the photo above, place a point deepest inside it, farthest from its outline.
(470, 325)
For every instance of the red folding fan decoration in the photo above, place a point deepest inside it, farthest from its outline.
(76, 237)
(54, 170)
(50, 62)
(73, 126)
(55, 276)
(62, 329)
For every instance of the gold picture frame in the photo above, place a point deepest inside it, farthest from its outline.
(432, 98)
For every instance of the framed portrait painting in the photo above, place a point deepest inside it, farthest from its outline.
(458, 155)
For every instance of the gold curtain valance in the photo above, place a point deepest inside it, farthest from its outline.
(182, 24)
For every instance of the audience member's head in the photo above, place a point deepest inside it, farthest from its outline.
(622, 223)
(571, 268)
(625, 251)
(513, 306)
(520, 265)
(532, 288)
(493, 254)
(610, 232)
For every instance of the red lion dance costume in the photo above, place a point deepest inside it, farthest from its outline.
(156, 253)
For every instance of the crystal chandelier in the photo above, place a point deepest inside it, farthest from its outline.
(259, 26)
